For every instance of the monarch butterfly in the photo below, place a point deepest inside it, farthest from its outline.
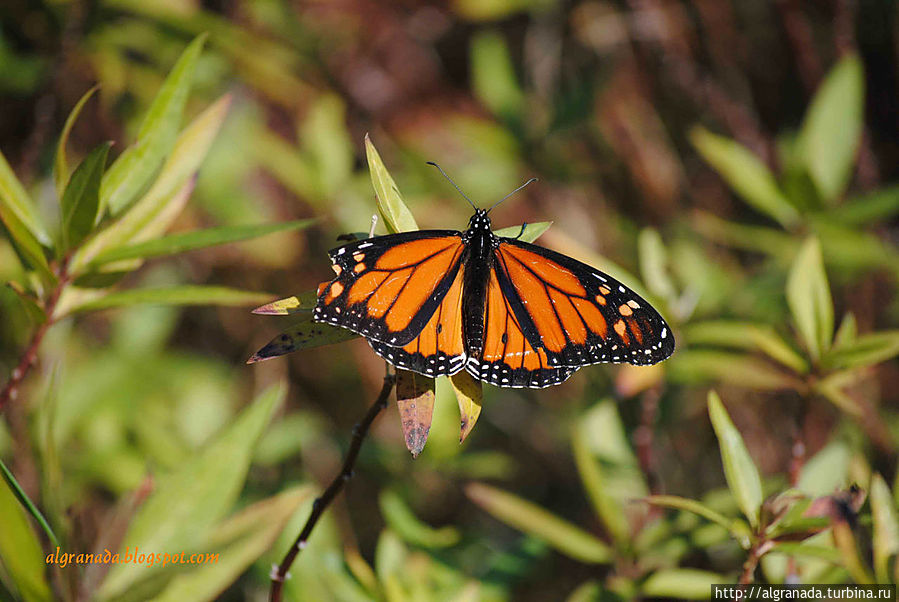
(511, 313)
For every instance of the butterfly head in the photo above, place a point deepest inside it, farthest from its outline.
(480, 221)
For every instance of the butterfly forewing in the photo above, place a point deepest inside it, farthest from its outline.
(579, 315)
(388, 288)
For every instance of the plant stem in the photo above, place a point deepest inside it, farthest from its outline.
(11, 388)
(321, 503)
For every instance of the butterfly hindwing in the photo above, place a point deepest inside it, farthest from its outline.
(508, 358)
(577, 314)
(388, 288)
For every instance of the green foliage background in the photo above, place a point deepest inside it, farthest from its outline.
(736, 162)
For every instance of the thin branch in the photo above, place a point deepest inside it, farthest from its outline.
(11, 388)
(321, 503)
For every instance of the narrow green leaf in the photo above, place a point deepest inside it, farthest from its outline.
(60, 163)
(885, 527)
(14, 200)
(176, 295)
(26, 502)
(393, 209)
(605, 505)
(701, 366)
(155, 211)
(20, 550)
(866, 350)
(745, 335)
(81, 200)
(872, 207)
(805, 550)
(19, 219)
(757, 239)
(746, 174)
(133, 171)
(186, 504)
(739, 470)
(530, 233)
(493, 75)
(736, 528)
(654, 264)
(846, 333)
(236, 543)
(470, 395)
(826, 471)
(401, 519)
(681, 584)
(808, 295)
(305, 335)
(831, 132)
(199, 239)
(534, 520)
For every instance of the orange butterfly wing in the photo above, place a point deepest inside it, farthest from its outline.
(388, 288)
(575, 313)
(508, 358)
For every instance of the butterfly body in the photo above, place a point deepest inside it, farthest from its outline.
(511, 313)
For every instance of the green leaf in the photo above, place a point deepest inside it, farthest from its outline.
(20, 550)
(133, 171)
(199, 239)
(155, 211)
(493, 75)
(534, 520)
(806, 550)
(530, 233)
(745, 335)
(885, 527)
(18, 216)
(654, 264)
(700, 366)
(746, 174)
(81, 200)
(739, 470)
(176, 295)
(60, 163)
(237, 542)
(415, 402)
(831, 132)
(401, 519)
(393, 209)
(808, 295)
(872, 207)
(186, 504)
(607, 508)
(305, 335)
(470, 395)
(736, 528)
(866, 350)
(681, 584)
(826, 471)
(26, 502)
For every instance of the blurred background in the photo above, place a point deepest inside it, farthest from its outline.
(629, 113)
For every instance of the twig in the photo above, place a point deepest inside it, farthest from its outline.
(11, 388)
(321, 503)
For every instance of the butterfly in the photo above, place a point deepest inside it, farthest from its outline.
(511, 313)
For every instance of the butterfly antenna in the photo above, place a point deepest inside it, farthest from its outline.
(531, 181)
(453, 183)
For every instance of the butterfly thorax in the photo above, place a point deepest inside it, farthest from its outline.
(478, 258)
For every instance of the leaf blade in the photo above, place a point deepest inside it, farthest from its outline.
(60, 162)
(174, 244)
(80, 202)
(176, 295)
(393, 209)
(808, 296)
(133, 170)
(739, 469)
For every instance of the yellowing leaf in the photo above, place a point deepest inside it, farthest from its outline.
(393, 209)
(470, 395)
